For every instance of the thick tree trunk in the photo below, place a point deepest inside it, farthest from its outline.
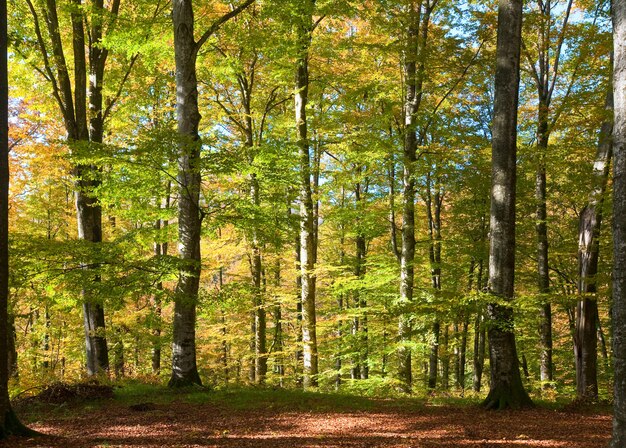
(307, 218)
(184, 368)
(9, 424)
(619, 225)
(585, 334)
(506, 388)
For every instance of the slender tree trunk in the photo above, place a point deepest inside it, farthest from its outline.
(259, 316)
(479, 351)
(506, 388)
(445, 359)
(619, 225)
(307, 218)
(585, 334)
(11, 348)
(433, 211)
(543, 277)
(413, 72)
(460, 378)
(434, 357)
(361, 369)
(278, 343)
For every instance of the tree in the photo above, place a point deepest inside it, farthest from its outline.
(304, 29)
(413, 71)
(84, 115)
(544, 68)
(506, 388)
(9, 423)
(190, 214)
(585, 336)
(619, 223)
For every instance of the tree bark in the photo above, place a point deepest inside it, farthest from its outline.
(184, 368)
(506, 388)
(77, 106)
(413, 72)
(9, 423)
(619, 224)
(585, 337)
(304, 28)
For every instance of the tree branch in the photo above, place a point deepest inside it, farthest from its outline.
(219, 22)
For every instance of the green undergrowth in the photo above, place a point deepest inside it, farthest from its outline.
(260, 398)
(268, 399)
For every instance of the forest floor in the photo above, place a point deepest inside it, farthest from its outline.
(148, 416)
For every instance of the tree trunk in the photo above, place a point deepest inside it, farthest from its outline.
(506, 388)
(460, 378)
(619, 225)
(259, 316)
(184, 368)
(11, 348)
(433, 212)
(9, 424)
(278, 343)
(585, 338)
(543, 277)
(361, 361)
(413, 72)
(445, 359)
(434, 357)
(307, 224)
(479, 351)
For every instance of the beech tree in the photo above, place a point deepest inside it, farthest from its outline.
(190, 213)
(506, 388)
(81, 102)
(9, 423)
(304, 28)
(619, 223)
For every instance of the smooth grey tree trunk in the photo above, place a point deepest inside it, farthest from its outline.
(184, 368)
(590, 221)
(304, 28)
(619, 224)
(506, 388)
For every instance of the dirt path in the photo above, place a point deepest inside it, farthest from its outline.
(208, 425)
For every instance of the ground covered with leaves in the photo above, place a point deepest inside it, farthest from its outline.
(149, 416)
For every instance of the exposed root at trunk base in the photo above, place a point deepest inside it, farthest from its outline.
(500, 398)
(14, 427)
(178, 382)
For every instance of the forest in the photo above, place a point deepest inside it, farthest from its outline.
(289, 222)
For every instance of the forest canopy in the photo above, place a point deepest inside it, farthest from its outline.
(299, 194)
